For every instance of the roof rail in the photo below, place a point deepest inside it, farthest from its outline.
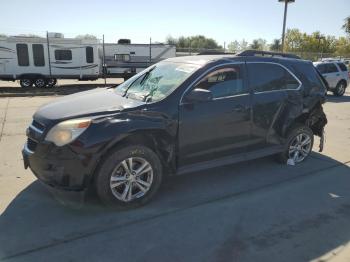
(213, 52)
(267, 53)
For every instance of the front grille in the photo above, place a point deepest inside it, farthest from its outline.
(31, 144)
(38, 125)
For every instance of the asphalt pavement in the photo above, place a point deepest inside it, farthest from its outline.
(254, 211)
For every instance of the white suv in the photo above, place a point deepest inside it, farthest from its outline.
(337, 75)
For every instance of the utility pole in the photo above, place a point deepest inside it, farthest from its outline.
(286, 2)
(319, 38)
(48, 52)
(150, 51)
(104, 59)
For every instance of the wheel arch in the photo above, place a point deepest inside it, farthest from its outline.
(158, 140)
(315, 119)
(31, 76)
(343, 81)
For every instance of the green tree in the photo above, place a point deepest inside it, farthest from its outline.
(233, 46)
(346, 25)
(86, 36)
(258, 44)
(297, 41)
(194, 42)
(343, 47)
(243, 44)
(293, 40)
(276, 45)
(255, 45)
(171, 40)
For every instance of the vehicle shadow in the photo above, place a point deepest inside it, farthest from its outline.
(34, 222)
(338, 99)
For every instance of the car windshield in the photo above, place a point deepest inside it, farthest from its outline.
(156, 82)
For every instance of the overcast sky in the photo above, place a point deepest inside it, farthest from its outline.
(223, 20)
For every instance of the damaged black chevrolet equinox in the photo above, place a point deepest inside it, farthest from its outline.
(178, 116)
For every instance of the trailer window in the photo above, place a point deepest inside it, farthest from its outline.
(22, 54)
(63, 54)
(89, 54)
(122, 57)
(38, 55)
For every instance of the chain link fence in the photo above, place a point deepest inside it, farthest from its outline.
(313, 56)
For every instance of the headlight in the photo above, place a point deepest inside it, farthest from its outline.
(67, 131)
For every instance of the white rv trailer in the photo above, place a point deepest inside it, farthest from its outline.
(29, 59)
(124, 60)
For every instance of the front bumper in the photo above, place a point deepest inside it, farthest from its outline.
(64, 172)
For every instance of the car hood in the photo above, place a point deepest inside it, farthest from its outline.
(93, 102)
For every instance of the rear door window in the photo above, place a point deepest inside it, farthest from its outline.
(331, 68)
(322, 68)
(309, 74)
(265, 77)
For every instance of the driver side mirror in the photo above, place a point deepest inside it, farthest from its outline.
(199, 95)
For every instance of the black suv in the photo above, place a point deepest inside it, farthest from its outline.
(178, 116)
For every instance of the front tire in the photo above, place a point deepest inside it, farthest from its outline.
(298, 145)
(340, 89)
(129, 177)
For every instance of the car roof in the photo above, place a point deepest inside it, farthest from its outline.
(199, 59)
(205, 59)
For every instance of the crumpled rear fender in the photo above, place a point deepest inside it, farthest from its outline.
(298, 110)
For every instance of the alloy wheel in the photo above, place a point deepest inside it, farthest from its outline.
(300, 147)
(131, 179)
(341, 89)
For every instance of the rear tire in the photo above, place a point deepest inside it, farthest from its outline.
(129, 177)
(40, 82)
(298, 145)
(25, 83)
(340, 89)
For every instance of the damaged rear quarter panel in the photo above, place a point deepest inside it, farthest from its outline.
(304, 106)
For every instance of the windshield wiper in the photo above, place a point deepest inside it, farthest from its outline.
(142, 80)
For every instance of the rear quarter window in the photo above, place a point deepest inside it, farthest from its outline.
(309, 76)
(342, 67)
